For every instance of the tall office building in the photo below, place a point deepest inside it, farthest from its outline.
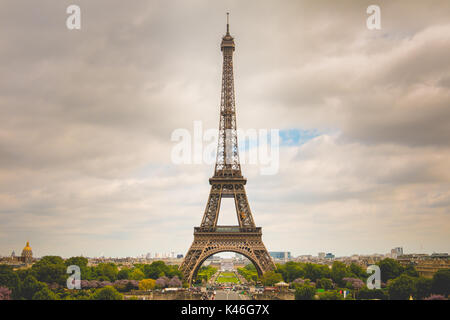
(281, 255)
(396, 252)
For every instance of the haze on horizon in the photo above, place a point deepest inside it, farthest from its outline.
(86, 119)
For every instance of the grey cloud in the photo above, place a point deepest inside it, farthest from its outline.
(86, 118)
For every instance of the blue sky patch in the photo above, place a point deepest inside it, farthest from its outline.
(296, 137)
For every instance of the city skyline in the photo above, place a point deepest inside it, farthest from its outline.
(227, 254)
(87, 117)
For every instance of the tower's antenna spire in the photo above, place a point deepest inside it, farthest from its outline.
(228, 23)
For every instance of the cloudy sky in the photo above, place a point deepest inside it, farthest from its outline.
(86, 118)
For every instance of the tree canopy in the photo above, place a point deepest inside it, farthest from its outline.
(107, 293)
(305, 292)
(270, 278)
(10, 279)
(390, 269)
(147, 284)
(401, 288)
(441, 282)
(50, 269)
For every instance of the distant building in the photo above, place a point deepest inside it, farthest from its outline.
(426, 265)
(367, 260)
(321, 255)
(179, 256)
(226, 266)
(440, 255)
(329, 255)
(396, 252)
(281, 255)
(25, 258)
(27, 254)
(354, 257)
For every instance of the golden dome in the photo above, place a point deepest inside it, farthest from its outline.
(27, 247)
(27, 254)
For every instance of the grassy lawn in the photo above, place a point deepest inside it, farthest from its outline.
(227, 277)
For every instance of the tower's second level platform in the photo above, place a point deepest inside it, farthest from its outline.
(228, 229)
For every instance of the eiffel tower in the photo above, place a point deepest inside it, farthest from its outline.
(227, 182)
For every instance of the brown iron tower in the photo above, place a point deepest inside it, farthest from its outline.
(227, 182)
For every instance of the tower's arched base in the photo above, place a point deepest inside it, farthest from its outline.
(246, 241)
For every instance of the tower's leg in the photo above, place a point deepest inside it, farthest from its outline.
(242, 207)
(212, 207)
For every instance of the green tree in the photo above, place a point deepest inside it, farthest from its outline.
(366, 294)
(338, 272)
(305, 292)
(124, 274)
(137, 274)
(324, 283)
(10, 279)
(250, 267)
(77, 261)
(441, 282)
(30, 286)
(106, 293)
(270, 278)
(81, 262)
(107, 271)
(323, 271)
(315, 271)
(390, 269)
(205, 273)
(357, 271)
(159, 269)
(74, 295)
(50, 269)
(23, 273)
(249, 274)
(330, 295)
(423, 288)
(45, 294)
(291, 270)
(411, 271)
(174, 271)
(401, 288)
(154, 270)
